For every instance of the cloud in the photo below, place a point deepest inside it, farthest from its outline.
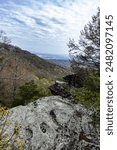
(45, 21)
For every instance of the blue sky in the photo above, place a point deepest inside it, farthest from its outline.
(45, 25)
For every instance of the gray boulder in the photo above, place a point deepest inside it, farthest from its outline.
(55, 123)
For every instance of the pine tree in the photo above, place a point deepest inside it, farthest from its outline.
(87, 52)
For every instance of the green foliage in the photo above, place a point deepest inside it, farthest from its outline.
(89, 93)
(9, 142)
(44, 82)
(30, 92)
(83, 74)
(25, 93)
(86, 97)
(93, 83)
(81, 71)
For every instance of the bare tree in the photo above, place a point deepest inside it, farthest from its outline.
(3, 38)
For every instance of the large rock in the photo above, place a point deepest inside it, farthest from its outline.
(59, 88)
(54, 123)
(76, 80)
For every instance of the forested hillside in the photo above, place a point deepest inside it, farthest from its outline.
(18, 67)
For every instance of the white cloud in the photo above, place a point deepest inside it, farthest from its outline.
(47, 22)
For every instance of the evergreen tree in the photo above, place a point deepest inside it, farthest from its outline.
(87, 52)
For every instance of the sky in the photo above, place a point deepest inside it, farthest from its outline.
(45, 26)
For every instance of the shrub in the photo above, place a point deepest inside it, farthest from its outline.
(93, 83)
(86, 97)
(29, 92)
(9, 142)
(89, 93)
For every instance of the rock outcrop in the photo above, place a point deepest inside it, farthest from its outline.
(75, 80)
(59, 88)
(55, 123)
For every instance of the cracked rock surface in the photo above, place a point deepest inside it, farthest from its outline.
(55, 123)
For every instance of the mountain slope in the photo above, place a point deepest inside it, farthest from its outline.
(18, 67)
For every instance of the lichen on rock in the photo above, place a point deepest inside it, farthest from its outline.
(56, 123)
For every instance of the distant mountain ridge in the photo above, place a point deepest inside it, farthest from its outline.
(60, 59)
(63, 63)
(53, 56)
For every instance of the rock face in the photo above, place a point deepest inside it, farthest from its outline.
(75, 80)
(59, 89)
(55, 123)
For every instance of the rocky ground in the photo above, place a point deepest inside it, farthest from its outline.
(55, 123)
